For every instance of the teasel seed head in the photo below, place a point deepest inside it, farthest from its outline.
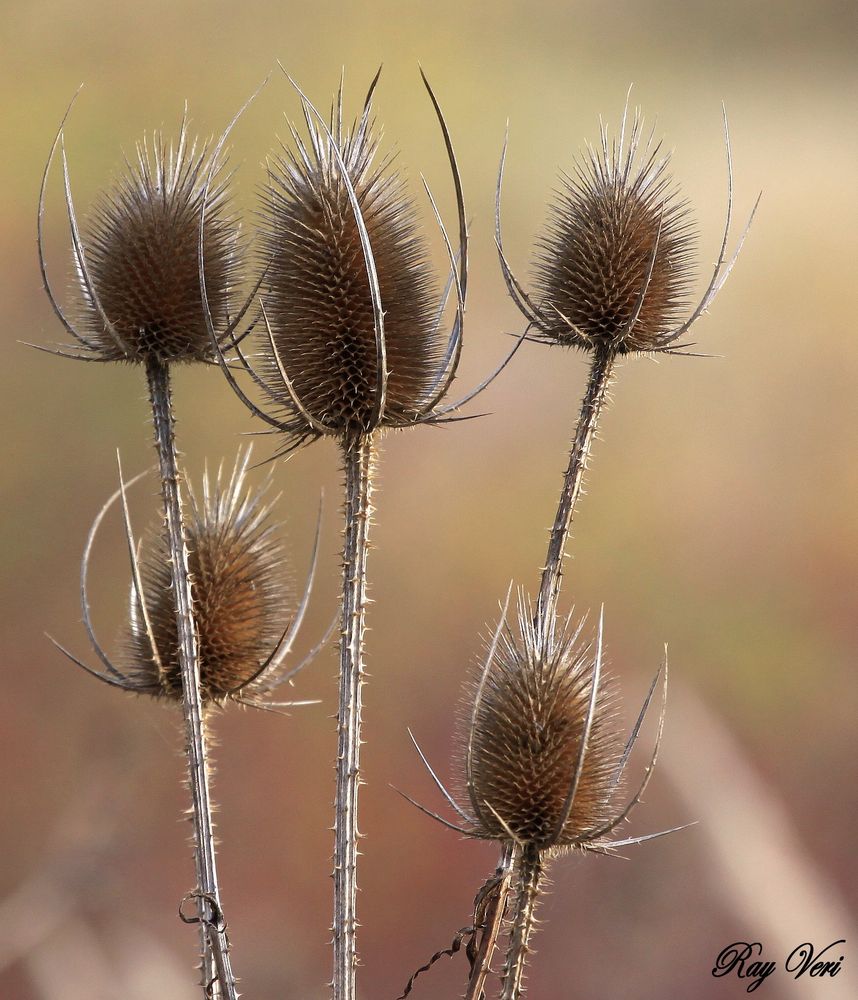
(615, 264)
(533, 710)
(240, 588)
(316, 291)
(542, 754)
(136, 257)
(350, 336)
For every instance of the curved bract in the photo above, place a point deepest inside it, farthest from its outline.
(615, 264)
(239, 586)
(543, 756)
(136, 256)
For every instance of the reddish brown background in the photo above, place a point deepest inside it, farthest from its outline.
(720, 513)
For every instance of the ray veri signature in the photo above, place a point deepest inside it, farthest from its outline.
(745, 961)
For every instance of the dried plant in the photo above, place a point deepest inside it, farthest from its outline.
(543, 760)
(348, 342)
(613, 273)
(141, 302)
(352, 346)
(240, 588)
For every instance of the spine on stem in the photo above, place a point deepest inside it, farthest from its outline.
(358, 456)
(591, 408)
(529, 877)
(218, 978)
(490, 928)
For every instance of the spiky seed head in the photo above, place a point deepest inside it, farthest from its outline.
(614, 265)
(526, 736)
(316, 290)
(141, 247)
(239, 587)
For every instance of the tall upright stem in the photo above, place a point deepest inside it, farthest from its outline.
(529, 875)
(592, 404)
(358, 459)
(591, 407)
(218, 978)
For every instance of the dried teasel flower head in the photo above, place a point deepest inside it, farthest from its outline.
(533, 711)
(543, 757)
(351, 339)
(614, 267)
(239, 586)
(136, 262)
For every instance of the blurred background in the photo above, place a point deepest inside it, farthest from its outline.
(720, 513)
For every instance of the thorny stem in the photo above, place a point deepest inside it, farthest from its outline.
(218, 979)
(492, 923)
(529, 875)
(358, 459)
(591, 406)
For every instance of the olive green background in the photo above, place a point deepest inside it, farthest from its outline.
(719, 516)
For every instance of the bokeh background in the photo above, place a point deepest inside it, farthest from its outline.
(720, 515)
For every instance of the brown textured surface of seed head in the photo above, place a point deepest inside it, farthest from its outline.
(317, 293)
(141, 248)
(614, 265)
(240, 592)
(526, 739)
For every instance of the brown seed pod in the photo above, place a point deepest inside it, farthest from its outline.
(317, 292)
(540, 723)
(543, 757)
(239, 584)
(239, 587)
(350, 312)
(615, 228)
(614, 267)
(137, 260)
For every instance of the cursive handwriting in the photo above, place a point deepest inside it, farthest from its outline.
(737, 957)
(801, 960)
(744, 959)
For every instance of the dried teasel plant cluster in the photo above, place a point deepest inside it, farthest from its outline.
(544, 760)
(334, 326)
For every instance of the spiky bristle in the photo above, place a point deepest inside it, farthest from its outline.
(317, 294)
(141, 293)
(527, 731)
(614, 266)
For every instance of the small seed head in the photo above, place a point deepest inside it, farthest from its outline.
(614, 265)
(317, 294)
(141, 248)
(239, 589)
(526, 738)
